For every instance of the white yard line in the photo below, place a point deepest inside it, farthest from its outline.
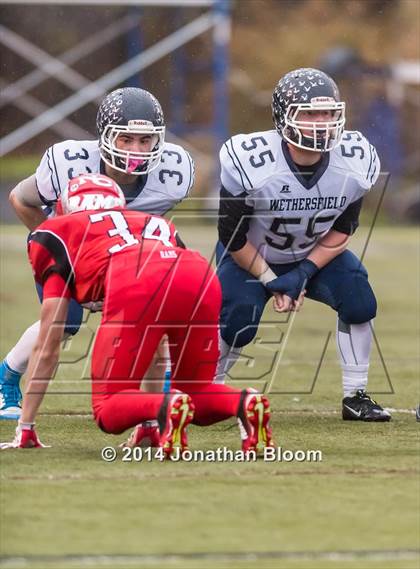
(277, 412)
(223, 557)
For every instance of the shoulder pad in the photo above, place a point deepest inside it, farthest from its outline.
(247, 160)
(359, 157)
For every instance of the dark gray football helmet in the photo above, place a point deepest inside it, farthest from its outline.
(135, 111)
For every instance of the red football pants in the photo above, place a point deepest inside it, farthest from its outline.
(179, 297)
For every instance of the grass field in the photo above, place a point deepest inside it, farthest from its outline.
(357, 508)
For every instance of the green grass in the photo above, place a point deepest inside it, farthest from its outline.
(18, 167)
(363, 497)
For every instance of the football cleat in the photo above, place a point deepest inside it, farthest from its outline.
(254, 415)
(10, 393)
(418, 414)
(176, 412)
(361, 407)
(145, 435)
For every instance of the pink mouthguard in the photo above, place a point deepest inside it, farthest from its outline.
(133, 164)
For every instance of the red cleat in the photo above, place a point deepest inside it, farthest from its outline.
(145, 435)
(254, 414)
(174, 416)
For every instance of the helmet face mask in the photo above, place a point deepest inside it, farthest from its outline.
(319, 136)
(130, 111)
(127, 161)
(307, 91)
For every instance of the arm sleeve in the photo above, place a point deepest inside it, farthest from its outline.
(348, 221)
(234, 216)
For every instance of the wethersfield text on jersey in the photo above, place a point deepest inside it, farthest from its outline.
(308, 204)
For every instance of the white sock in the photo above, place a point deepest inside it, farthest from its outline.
(242, 431)
(167, 357)
(18, 357)
(227, 359)
(150, 423)
(354, 342)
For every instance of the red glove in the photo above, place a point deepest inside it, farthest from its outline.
(25, 437)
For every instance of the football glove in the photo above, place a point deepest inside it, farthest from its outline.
(294, 282)
(25, 437)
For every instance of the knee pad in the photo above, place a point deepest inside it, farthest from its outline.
(358, 303)
(239, 326)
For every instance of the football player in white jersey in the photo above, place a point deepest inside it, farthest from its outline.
(131, 149)
(289, 202)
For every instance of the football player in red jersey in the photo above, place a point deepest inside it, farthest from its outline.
(154, 175)
(151, 285)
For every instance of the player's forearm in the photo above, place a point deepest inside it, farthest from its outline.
(329, 247)
(31, 216)
(250, 260)
(41, 368)
(44, 356)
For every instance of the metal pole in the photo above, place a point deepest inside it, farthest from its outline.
(108, 81)
(48, 64)
(221, 39)
(134, 44)
(85, 47)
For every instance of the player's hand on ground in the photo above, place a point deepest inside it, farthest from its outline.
(24, 438)
(293, 283)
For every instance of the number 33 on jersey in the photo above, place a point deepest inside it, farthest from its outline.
(288, 212)
(164, 187)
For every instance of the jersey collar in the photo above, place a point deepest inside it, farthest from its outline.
(130, 192)
(307, 183)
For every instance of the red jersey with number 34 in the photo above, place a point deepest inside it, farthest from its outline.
(78, 247)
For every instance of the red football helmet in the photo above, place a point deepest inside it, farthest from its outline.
(90, 191)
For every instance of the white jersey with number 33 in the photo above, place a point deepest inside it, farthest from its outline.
(165, 186)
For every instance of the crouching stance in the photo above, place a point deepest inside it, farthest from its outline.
(289, 203)
(151, 285)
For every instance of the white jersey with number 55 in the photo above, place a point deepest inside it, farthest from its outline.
(165, 186)
(288, 212)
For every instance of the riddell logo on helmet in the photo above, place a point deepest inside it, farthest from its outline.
(322, 100)
(138, 122)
